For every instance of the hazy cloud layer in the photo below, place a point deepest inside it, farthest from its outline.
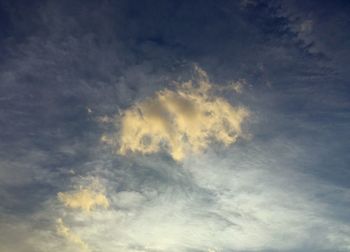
(178, 173)
(226, 203)
(63, 230)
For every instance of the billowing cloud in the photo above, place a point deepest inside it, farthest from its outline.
(84, 198)
(180, 121)
(65, 231)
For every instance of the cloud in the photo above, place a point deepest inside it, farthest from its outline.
(84, 198)
(225, 203)
(236, 86)
(65, 231)
(127, 199)
(306, 26)
(246, 3)
(87, 199)
(300, 21)
(180, 121)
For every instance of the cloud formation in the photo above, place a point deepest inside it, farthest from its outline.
(85, 199)
(228, 202)
(64, 66)
(65, 231)
(180, 121)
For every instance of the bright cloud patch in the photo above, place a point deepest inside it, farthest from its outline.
(235, 203)
(85, 199)
(180, 121)
(64, 231)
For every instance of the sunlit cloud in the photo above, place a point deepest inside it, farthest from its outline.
(181, 121)
(229, 206)
(84, 198)
(107, 91)
(65, 231)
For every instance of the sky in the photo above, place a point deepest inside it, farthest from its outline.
(175, 126)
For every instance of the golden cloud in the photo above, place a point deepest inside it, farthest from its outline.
(180, 121)
(84, 198)
(65, 231)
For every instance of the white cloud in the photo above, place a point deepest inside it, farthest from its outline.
(229, 203)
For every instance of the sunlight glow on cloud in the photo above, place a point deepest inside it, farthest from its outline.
(85, 199)
(114, 139)
(180, 121)
(221, 209)
(65, 231)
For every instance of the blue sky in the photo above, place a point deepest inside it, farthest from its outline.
(174, 126)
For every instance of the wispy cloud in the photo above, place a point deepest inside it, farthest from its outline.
(77, 63)
(63, 230)
(226, 203)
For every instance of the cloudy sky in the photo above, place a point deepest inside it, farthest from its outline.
(174, 126)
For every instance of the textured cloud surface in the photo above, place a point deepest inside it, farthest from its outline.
(182, 121)
(63, 230)
(253, 159)
(84, 198)
(227, 203)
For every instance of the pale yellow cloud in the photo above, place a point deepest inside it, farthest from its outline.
(84, 198)
(65, 231)
(180, 121)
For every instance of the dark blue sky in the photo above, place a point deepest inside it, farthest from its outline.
(71, 71)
